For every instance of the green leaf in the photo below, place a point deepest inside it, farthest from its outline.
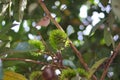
(6, 28)
(4, 9)
(1, 70)
(96, 26)
(36, 75)
(24, 46)
(22, 7)
(5, 1)
(92, 1)
(15, 9)
(104, 2)
(10, 75)
(95, 66)
(11, 63)
(108, 37)
(69, 63)
(110, 19)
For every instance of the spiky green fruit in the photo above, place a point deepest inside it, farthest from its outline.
(70, 73)
(58, 39)
(38, 44)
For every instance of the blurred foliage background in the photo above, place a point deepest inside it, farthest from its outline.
(86, 23)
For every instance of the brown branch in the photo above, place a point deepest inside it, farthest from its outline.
(25, 60)
(49, 14)
(116, 51)
(31, 61)
(79, 55)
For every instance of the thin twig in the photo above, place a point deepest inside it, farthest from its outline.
(116, 51)
(31, 61)
(49, 51)
(79, 55)
(25, 60)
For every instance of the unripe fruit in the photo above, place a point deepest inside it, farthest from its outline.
(49, 73)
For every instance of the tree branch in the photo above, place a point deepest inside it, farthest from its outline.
(25, 60)
(116, 51)
(79, 55)
(31, 61)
